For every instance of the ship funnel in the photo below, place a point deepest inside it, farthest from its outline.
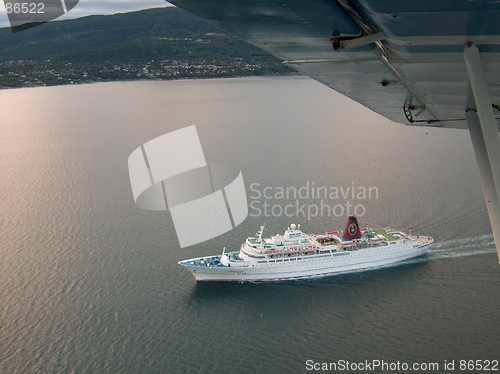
(351, 229)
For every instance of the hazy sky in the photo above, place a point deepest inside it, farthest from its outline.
(88, 7)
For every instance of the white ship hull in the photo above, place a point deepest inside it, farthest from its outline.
(310, 266)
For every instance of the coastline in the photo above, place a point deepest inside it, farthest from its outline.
(279, 75)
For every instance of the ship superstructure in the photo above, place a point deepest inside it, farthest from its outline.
(295, 254)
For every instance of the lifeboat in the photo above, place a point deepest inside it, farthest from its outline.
(346, 244)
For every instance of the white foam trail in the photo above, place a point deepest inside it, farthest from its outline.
(462, 247)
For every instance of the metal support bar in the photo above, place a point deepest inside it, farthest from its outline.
(360, 41)
(485, 138)
(486, 174)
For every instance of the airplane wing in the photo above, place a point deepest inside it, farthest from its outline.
(402, 59)
(427, 62)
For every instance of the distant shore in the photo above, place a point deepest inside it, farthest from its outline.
(22, 74)
(293, 74)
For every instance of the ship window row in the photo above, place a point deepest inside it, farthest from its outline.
(370, 250)
(253, 256)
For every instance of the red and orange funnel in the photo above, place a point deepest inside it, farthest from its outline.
(351, 229)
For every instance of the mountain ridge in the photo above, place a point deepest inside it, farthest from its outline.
(158, 43)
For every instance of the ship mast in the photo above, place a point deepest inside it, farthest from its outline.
(261, 231)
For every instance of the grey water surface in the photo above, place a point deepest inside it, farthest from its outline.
(90, 283)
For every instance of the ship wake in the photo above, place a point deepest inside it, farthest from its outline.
(463, 247)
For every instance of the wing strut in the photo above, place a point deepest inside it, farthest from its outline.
(485, 137)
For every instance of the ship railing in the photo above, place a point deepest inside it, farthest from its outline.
(296, 253)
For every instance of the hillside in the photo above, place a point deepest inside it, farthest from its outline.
(162, 43)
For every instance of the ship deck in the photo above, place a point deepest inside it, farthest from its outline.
(385, 234)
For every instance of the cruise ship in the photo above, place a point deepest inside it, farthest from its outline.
(296, 254)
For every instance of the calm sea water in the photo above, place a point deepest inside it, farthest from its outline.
(90, 283)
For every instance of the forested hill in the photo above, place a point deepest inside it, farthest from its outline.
(161, 43)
